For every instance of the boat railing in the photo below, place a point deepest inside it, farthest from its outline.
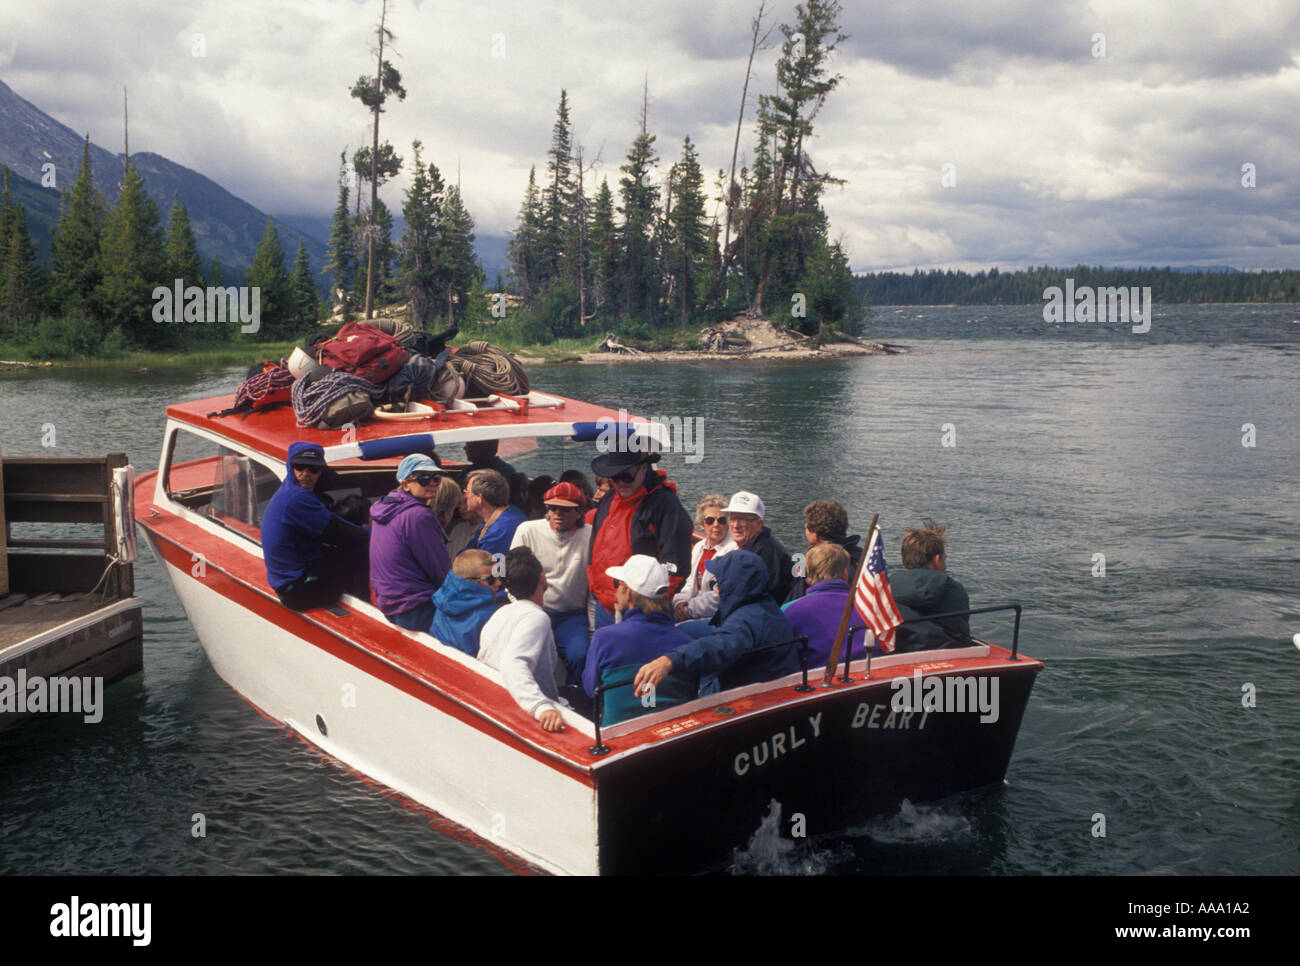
(1015, 631)
(599, 748)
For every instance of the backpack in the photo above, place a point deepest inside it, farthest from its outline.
(364, 351)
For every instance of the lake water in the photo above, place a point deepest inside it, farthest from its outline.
(1170, 703)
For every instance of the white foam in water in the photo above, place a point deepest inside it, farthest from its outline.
(771, 853)
(924, 824)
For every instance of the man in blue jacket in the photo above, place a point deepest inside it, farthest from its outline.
(296, 525)
(750, 619)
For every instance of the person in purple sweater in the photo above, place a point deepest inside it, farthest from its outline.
(645, 632)
(817, 614)
(408, 552)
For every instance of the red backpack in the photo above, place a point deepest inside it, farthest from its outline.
(364, 351)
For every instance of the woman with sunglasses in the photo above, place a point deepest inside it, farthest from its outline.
(641, 514)
(698, 598)
(408, 551)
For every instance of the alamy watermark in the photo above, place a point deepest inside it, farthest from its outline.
(37, 695)
(955, 692)
(75, 919)
(211, 306)
(681, 435)
(1115, 305)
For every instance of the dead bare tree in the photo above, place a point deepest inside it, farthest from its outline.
(757, 43)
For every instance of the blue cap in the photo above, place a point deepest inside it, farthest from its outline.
(416, 463)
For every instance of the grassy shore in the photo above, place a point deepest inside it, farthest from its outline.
(210, 357)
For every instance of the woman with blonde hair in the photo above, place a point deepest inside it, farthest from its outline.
(698, 598)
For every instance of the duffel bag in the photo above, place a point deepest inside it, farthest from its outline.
(364, 351)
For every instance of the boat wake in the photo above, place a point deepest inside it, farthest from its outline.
(924, 824)
(771, 853)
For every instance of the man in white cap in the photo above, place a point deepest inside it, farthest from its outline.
(645, 633)
(562, 542)
(745, 519)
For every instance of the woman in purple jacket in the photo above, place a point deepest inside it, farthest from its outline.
(408, 551)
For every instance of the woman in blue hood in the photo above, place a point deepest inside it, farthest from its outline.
(750, 618)
(408, 551)
(297, 525)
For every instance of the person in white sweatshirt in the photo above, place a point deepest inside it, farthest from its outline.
(517, 641)
(562, 542)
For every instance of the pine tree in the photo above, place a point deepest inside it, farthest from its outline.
(305, 302)
(422, 210)
(804, 82)
(828, 285)
(525, 246)
(182, 251)
(385, 255)
(640, 197)
(373, 93)
(20, 297)
(7, 215)
(460, 270)
(268, 275)
(557, 228)
(603, 243)
(132, 260)
(74, 257)
(688, 248)
(216, 277)
(341, 262)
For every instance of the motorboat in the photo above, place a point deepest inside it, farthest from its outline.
(674, 790)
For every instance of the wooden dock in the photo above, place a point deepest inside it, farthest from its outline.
(67, 604)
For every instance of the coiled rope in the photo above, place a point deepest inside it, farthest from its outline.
(311, 398)
(487, 369)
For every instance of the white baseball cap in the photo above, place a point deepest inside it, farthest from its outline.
(746, 502)
(643, 574)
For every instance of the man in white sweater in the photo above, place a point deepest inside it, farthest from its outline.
(517, 641)
(562, 542)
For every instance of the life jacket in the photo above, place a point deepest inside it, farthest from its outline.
(364, 351)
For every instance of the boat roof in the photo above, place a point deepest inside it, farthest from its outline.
(492, 417)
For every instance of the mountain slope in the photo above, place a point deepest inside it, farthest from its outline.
(224, 225)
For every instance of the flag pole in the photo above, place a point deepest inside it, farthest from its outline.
(836, 650)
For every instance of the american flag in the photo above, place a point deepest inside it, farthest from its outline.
(873, 598)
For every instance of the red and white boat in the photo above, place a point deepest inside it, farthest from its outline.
(675, 790)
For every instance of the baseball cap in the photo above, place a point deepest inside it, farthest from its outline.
(643, 574)
(565, 494)
(416, 463)
(309, 456)
(746, 502)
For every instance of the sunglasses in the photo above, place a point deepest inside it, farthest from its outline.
(424, 479)
(710, 521)
(627, 476)
(556, 508)
(618, 584)
(300, 467)
(489, 579)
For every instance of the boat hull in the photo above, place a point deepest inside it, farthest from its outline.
(832, 761)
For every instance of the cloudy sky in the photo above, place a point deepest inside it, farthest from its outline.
(1106, 132)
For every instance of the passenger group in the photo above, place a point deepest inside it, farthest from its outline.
(583, 588)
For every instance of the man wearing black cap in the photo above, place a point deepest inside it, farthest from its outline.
(641, 514)
(296, 523)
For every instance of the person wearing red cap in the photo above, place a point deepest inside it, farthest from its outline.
(563, 545)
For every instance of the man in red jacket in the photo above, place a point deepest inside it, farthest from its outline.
(641, 514)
